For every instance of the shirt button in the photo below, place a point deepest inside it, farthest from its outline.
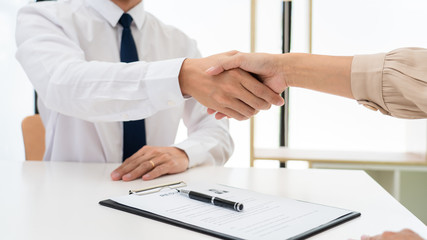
(171, 103)
(370, 107)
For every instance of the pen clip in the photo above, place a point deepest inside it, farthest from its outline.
(158, 188)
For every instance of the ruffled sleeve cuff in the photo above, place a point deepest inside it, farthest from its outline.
(394, 83)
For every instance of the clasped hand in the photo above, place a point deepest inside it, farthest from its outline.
(226, 83)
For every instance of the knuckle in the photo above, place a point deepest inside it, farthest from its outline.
(165, 157)
(154, 151)
(222, 100)
(226, 88)
(171, 164)
(144, 149)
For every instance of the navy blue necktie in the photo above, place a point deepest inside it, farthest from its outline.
(133, 131)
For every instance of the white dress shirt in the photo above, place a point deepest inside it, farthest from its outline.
(70, 51)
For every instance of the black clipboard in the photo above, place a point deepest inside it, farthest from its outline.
(115, 205)
(142, 213)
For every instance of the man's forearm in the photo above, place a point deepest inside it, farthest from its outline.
(329, 74)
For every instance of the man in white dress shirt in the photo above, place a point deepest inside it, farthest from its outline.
(70, 51)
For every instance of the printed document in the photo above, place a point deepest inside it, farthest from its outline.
(263, 216)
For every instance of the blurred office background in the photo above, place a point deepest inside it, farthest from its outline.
(317, 121)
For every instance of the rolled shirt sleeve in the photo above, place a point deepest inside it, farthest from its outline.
(395, 83)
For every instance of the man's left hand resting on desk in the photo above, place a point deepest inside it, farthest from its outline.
(151, 162)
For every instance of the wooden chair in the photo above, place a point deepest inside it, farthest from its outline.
(34, 137)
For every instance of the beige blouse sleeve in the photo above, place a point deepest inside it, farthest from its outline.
(394, 83)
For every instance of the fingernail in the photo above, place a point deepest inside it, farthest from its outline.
(127, 176)
(364, 237)
(280, 102)
(210, 69)
(115, 175)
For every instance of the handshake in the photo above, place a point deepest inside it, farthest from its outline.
(238, 85)
(233, 84)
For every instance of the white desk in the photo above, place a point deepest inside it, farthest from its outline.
(41, 200)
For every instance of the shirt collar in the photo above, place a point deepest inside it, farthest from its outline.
(112, 13)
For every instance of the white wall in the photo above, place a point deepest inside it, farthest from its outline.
(343, 27)
(16, 92)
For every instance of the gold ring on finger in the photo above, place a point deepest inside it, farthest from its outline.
(152, 163)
